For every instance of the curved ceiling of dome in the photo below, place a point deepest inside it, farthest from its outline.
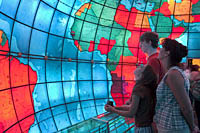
(61, 60)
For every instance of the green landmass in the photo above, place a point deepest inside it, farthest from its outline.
(98, 22)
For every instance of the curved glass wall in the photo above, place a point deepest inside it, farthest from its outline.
(61, 60)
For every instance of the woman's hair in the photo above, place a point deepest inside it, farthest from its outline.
(176, 49)
(149, 78)
(193, 68)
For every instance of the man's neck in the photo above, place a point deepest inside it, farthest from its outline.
(151, 52)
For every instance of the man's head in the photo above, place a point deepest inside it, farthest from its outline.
(148, 39)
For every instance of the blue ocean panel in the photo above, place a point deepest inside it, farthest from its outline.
(43, 115)
(9, 9)
(194, 54)
(52, 3)
(62, 121)
(6, 25)
(85, 90)
(100, 89)
(43, 17)
(40, 97)
(69, 49)
(85, 55)
(68, 2)
(53, 71)
(71, 91)
(22, 34)
(99, 72)
(64, 8)
(38, 43)
(69, 71)
(59, 23)
(59, 109)
(54, 47)
(89, 109)
(75, 112)
(39, 67)
(55, 93)
(27, 9)
(83, 73)
(193, 42)
(100, 103)
(48, 125)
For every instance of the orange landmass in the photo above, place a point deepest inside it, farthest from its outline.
(78, 45)
(16, 101)
(81, 10)
(181, 10)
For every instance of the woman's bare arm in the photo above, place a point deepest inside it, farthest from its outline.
(175, 82)
(123, 107)
(132, 109)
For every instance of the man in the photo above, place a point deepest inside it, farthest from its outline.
(149, 44)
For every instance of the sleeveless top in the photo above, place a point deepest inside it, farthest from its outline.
(168, 113)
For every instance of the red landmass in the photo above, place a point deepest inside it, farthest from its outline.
(127, 19)
(105, 45)
(163, 9)
(92, 46)
(196, 18)
(16, 101)
(176, 32)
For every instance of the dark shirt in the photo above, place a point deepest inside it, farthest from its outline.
(146, 107)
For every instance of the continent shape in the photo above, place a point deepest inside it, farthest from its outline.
(16, 94)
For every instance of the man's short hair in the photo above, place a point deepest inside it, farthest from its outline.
(150, 36)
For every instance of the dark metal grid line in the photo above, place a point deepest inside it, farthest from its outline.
(93, 53)
(10, 71)
(174, 9)
(65, 81)
(156, 23)
(80, 61)
(108, 45)
(62, 66)
(72, 17)
(46, 67)
(31, 94)
(188, 26)
(129, 14)
(77, 68)
(85, 21)
(48, 117)
(122, 10)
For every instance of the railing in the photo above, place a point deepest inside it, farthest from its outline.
(106, 122)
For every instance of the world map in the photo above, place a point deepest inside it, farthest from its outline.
(61, 65)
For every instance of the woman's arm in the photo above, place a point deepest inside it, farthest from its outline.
(175, 82)
(123, 107)
(132, 109)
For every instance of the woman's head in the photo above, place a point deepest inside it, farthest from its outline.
(174, 50)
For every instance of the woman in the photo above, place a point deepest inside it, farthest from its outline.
(174, 113)
(142, 103)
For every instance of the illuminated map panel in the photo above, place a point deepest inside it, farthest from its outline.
(61, 60)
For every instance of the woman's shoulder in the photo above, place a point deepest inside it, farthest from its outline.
(195, 75)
